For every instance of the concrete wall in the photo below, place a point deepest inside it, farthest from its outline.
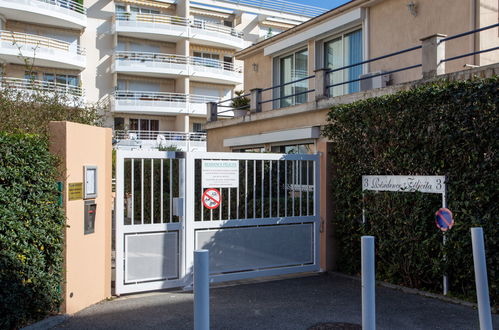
(87, 257)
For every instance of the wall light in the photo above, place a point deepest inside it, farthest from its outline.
(255, 67)
(413, 8)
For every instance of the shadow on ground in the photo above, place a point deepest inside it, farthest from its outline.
(298, 303)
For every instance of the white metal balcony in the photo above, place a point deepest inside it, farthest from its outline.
(172, 28)
(61, 13)
(158, 103)
(171, 65)
(43, 51)
(185, 141)
(26, 88)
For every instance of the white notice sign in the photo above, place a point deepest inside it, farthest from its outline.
(220, 173)
(425, 184)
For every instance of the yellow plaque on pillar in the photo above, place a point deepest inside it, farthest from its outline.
(75, 191)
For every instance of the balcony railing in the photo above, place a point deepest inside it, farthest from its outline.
(40, 86)
(17, 38)
(176, 59)
(281, 6)
(69, 4)
(158, 97)
(159, 135)
(179, 21)
(321, 84)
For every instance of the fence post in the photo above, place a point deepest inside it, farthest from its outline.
(255, 100)
(212, 110)
(482, 286)
(433, 52)
(368, 284)
(321, 91)
(201, 290)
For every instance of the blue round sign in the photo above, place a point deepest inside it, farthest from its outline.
(444, 219)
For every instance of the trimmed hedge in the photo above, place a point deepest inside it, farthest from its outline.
(443, 128)
(31, 231)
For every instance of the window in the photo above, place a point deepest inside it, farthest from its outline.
(207, 59)
(294, 149)
(293, 67)
(147, 128)
(30, 75)
(119, 123)
(198, 127)
(140, 10)
(342, 51)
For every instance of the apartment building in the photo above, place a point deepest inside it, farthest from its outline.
(153, 64)
(295, 77)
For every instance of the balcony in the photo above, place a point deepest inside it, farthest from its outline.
(158, 103)
(60, 13)
(47, 52)
(172, 28)
(170, 65)
(155, 139)
(25, 88)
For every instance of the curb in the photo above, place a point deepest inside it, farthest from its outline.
(48, 323)
(412, 291)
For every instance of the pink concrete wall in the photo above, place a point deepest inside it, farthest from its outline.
(87, 257)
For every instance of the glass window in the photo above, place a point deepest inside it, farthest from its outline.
(120, 9)
(30, 75)
(343, 51)
(49, 77)
(293, 67)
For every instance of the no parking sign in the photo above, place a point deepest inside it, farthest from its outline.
(444, 219)
(211, 198)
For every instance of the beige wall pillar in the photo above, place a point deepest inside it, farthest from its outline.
(182, 123)
(433, 53)
(183, 8)
(327, 248)
(87, 257)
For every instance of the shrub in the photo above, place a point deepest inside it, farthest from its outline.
(444, 128)
(30, 112)
(31, 231)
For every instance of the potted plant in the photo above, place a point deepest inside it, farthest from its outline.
(241, 104)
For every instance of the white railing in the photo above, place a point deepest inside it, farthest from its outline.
(69, 4)
(281, 6)
(180, 21)
(176, 59)
(17, 38)
(155, 135)
(39, 85)
(163, 97)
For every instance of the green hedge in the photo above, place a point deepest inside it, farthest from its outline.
(31, 231)
(444, 128)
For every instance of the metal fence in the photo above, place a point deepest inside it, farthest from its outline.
(179, 21)
(155, 135)
(145, 57)
(17, 38)
(324, 81)
(69, 4)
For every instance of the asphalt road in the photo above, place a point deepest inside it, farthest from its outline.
(297, 303)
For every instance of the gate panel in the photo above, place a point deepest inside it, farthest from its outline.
(269, 225)
(149, 235)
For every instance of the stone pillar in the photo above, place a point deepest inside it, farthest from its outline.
(182, 123)
(255, 100)
(433, 52)
(321, 81)
(211, 111)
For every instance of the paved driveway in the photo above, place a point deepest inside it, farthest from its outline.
(297, 303)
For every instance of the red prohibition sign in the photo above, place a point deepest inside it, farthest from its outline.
(211, 198)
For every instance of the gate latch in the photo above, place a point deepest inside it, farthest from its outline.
(178, 206)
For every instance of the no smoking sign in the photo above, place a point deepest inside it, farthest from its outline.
(211, 198)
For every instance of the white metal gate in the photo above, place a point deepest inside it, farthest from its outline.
(269, 225)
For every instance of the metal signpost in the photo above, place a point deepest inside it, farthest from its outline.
(433, 184)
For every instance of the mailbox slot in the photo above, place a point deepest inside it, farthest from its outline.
(89, 217)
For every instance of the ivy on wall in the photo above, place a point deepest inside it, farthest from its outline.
(443, 128)
(31, 231)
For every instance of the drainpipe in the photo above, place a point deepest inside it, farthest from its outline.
(474, 22)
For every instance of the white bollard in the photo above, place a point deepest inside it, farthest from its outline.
(482, 286)
(368, 284)
(201, 290)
